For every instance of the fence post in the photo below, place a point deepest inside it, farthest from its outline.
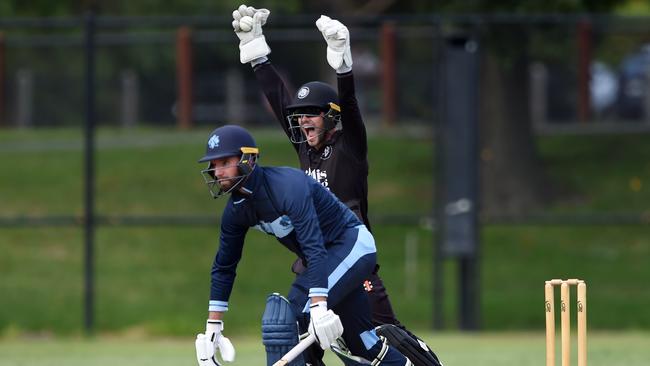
(584, 70)
(184, 77)
(538, 101)
(89, 186)
(235, 96)
(130, 98)
(388, 65)
(24, 98)
(2, 80)
(458, 215)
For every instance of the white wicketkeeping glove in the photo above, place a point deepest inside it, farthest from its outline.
(207, 343)
(337, 37)
(324, 324)
(252, 44)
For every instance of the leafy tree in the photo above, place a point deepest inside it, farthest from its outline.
(513, 178)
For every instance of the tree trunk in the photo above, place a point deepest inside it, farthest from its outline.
(513, 179)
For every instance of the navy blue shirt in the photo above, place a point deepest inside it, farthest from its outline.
(283, 202)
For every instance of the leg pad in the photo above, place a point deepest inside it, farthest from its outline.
(279, 330)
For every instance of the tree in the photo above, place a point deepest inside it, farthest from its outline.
(513, 178)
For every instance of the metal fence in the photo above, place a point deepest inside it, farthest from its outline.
(582, 68)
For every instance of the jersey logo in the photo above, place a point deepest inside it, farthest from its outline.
(279, 228)
(367, 286)
(327, 152)
(319, 175)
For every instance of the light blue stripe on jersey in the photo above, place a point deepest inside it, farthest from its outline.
(317, 291)
(215, 305)
(364, 245)
(369, 338)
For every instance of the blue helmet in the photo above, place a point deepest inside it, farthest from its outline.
(227, 141)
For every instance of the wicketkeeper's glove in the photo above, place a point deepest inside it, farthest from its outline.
(324, 324)
(337, 37)
(252, 44)
(210, 341)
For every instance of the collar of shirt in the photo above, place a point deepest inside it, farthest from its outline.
(250, 185)
(329, 141)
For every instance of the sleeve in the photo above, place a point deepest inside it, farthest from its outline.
(300, 208)
(231, 243)
(354, 131)
(276, 93)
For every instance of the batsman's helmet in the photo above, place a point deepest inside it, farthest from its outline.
(226, 141)
(312, 99)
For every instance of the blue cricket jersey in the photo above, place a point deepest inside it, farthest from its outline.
(284, 202)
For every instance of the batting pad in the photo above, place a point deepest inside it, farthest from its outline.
(279, 330)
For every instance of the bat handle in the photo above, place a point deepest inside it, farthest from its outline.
(296, 350)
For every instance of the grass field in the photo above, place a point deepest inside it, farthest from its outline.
(454, 349)
(153, 280)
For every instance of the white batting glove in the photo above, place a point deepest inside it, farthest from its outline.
(247, 23)
(324, 324)
(210, 341)
(337, 37)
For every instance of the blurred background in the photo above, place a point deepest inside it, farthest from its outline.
(508, 146)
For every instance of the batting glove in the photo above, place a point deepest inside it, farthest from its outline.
(247, 23)
(337, 37)
(324, 324)
(210, 341)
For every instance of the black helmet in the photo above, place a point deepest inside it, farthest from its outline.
(226, 141)
(311, 99)
(314, 94)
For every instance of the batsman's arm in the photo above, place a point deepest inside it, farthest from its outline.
(224, 267)
(215, 315)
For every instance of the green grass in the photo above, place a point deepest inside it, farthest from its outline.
(604, 173)
(154, 172)
(153, 280)
(503, 349)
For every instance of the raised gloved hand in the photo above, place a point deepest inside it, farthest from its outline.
(324, 324)
(210, 341)
(247, 24)
(337, 37)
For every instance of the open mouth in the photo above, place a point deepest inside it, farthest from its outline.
(310, 131)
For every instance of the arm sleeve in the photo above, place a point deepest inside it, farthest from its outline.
(231, 243)
(302, 212)
(354, 131)
(276, 93)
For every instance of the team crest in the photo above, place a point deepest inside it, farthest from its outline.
(213, 141)
(367, 285)
(327, 152)
(303, 92)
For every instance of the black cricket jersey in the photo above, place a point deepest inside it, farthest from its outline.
(341, 165)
